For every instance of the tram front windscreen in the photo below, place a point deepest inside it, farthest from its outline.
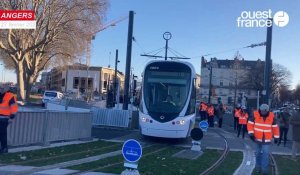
(166, 92)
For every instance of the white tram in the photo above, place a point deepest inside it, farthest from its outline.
(168, 97)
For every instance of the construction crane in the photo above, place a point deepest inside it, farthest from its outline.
(91, 37)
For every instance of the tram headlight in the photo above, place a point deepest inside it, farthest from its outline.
(180, 122)
(143, 119)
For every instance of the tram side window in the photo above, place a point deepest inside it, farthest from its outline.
(191, 107)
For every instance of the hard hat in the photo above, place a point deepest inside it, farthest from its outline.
(244, 107)
(238, 105)
(264, 107)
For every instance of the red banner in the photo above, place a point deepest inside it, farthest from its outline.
(16, 15)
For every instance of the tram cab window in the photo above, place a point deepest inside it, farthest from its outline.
(166, 91)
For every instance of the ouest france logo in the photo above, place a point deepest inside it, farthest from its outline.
(250, 19)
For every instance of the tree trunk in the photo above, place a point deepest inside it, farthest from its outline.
(29, 82)
(28, 88)
(20, 78)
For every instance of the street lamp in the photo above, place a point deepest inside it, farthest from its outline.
(235, 89)
(115, 78)
(91, 37)
(210, 79)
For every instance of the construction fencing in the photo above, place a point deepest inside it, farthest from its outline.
(43, 127)
(111, 117)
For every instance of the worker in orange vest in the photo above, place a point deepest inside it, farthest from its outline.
(243, 118)
(203, 110)
(236, 114)
(261, 129)
(211, 115)
(8, 109)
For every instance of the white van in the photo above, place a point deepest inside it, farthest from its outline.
(52, 96)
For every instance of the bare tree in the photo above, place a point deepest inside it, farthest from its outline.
(62, 30)
(296, 94)
(285, 95)
(254, 78)
(281, 77)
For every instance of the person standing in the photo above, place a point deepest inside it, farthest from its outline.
(284, 118)
(261, 129)
(8, 109)
(243, 121)
(203, 110)
(220, 112)
(236, 114)
(295, 122)
(211, 115)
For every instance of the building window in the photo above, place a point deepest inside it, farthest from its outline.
(221, 83)
(105, 85)
(105, 76)
(82, 83)
(63, 82)
(90, 83)
(75, 82)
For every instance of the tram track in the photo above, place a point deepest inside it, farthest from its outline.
(67, 164)
(24, 162)
(121, 162)
(274, 169)
(220, 160)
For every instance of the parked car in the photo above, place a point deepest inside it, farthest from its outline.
(52, 96)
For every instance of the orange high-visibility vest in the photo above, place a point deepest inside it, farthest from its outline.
(9, 105)
(203, 107)
(263, 130)
(211, 111)
(243, 118)
(237, 113)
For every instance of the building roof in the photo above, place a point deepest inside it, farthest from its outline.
(229, 64)
(78, 66)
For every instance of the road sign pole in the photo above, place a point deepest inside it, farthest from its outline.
(196, 146)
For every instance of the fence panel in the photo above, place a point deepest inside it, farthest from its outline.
(27, 128)
(32, 127)
(111, 117)
(68, 126)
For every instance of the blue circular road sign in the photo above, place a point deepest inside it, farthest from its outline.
(203, 125)
(132, 150)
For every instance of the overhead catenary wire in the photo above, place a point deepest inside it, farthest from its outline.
(179, 54)
(149, 53)
(143, 51)
(159, 50)
(137, 43)
(230, 50)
